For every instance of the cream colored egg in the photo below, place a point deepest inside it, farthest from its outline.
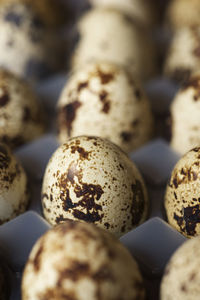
(103, 99)
(21, 117)
(182, 13)
(14, 194)
(90, 179)
(185, 114)
(108, 35)
(79, 261)
(141, 10)
(183, 56)
(27, 47)
(182, 197)
(181, 280)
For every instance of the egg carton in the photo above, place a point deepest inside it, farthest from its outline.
(151, 243)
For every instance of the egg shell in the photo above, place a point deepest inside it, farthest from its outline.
(141, 10)
(90, 179)
(182, 13)
(183, 56)
(185, 115)
(182, 201)
(14, 194)
(27, 47)
(116, 39)
(80, 261)
(182, 277)
(21, 116)
(103, 99)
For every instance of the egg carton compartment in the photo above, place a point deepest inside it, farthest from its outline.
(151, 243)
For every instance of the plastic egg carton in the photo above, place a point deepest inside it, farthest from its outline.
(152, 243)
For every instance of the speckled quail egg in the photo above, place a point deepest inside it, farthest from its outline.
(182, 13)
(90, 179)
(182, 200)
(181, 280)
(183, 57)
(21, 117)
(185, 115)
(102, 99)
(13, 186)
(80, 261)
(27, 47)
(141, 10)
(108, 35)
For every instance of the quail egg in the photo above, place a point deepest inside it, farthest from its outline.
(181, 280)
(185, 116)
(141, 10)
(27, 47)
(13, 182)
(79, 261)
(183, 57)
(90, 179)
(108, 35)
(182, 200)
(102, 99)
(21, 117)
(182, 13)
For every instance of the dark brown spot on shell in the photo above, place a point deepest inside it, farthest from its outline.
(196, 149)
(138, 202)
(107, 225)
(135, 122)
(4, 157)
(180, 74)
(67, 115)
(189, 219)
(138, 94)
(83, 153)
(26, 114)
(184, 176)
(126, 136)
(183, 288)
(103, 274)
(105, 77)
(82, 85)
(75, 271)
(193, 82)
(4, 98)
(86, 208)
(106, 103)
(61, 219)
